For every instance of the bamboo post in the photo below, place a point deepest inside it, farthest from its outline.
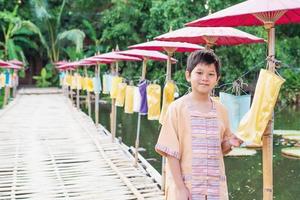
(6, 95)
(77, 90)
(6, 92)
(137, 140)
(88, 96)
(267, 151)
(97, 71)
(71, 90)
(68, 87)
(15, 83)
(114, 111)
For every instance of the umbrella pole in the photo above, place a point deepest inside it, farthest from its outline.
(6, 95)
(15, 83)
(169, 66)
(138, 130)
(268, 133)
(66, 85)
(77, 90)
(72, 90)
(96, 98)
(88, 96)
(114, 111)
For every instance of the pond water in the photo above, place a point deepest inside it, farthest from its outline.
(244, 174)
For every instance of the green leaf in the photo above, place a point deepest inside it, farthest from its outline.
(43, 73)
(11, 49)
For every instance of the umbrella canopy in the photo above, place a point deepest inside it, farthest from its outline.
(253, 13)
(210, 36)
(12, 66)
(60, 63)
(151, 55)
(167, 46)
(16, 62)
(96, 60)
(8, 65)
(69, 65)
(3, 64)
(117, 57)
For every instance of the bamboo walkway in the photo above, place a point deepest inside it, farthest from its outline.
(50, 150)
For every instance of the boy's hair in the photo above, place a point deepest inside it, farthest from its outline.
(206, 57)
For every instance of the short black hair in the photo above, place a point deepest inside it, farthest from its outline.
(206, 57)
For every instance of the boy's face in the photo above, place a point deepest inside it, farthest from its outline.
(203, 78)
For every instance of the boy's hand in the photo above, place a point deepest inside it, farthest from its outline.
(235, 142)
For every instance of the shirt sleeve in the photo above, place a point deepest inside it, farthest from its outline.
(168, 142)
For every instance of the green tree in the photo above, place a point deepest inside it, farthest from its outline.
(49, 22)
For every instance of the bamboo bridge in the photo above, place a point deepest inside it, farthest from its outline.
(51, 150)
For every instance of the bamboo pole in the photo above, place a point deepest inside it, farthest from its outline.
(267, 139)
(6, 95)
(114, 111)
(88, 96)
(97, 72)
(68, 87)
(6, 91)
(137, 140)
(77, 90)
(71, 90)
(14, 83)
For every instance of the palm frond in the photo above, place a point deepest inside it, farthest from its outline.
(59, 14)
(32, 27)
(26, 42)
(74, 35)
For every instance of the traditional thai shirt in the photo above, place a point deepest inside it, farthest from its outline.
(195, 139)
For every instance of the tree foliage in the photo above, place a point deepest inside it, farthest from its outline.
(107, 23)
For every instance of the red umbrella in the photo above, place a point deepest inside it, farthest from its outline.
(146, 54)
(256, 13)
(60, 62)
(16, 62)
(69, 65)
(12, 66)
(210, 36)
(253, 13)
(3, 64)
(8, 65)
(169, 47)
(94, 61)
(118, 57)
